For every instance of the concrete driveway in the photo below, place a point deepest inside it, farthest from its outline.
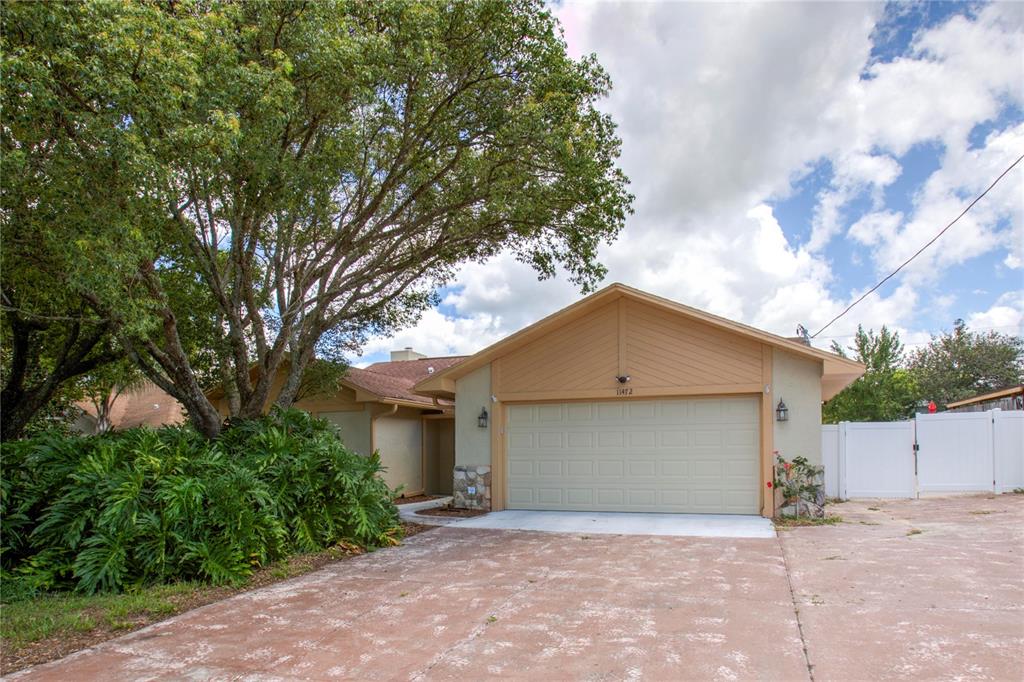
(873, 602)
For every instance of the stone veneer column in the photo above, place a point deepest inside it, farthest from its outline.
(472, 487)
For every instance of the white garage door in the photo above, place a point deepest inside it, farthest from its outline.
(676, 455)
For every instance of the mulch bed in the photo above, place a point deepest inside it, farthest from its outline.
(417, 498)
(63, 643)
(451, 511)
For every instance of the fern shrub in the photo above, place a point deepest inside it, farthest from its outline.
(143, 506)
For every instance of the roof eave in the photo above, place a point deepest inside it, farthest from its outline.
(442, 384)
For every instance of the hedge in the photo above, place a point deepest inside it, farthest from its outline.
(144, 506)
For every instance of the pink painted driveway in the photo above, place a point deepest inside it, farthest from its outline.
(474, 604)
(874, 602)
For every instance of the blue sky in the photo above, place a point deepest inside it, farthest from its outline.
(785, 157)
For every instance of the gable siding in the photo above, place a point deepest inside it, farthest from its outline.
(582, 354)
(665, 350)
(663, 354)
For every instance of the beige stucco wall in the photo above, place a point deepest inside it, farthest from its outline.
(797, 381)
(473, 444)
(399, 440)
(353, 428)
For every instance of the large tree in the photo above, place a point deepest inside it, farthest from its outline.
(961, 364)
(323, 166)
(75, 215)
(885, 392)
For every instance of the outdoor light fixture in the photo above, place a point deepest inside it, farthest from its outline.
(481, 421)
(781, 412)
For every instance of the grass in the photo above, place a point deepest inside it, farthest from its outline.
(32, 620)
(796, 522)
(49, 626)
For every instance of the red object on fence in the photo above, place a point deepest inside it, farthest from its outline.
(932, 407)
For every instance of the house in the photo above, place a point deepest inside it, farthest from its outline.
(377, 410)
(625, 401)
(147, 405)
(1011, 398)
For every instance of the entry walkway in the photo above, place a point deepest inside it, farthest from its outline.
(621, 523)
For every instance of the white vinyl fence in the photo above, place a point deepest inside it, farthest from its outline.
(934, 453)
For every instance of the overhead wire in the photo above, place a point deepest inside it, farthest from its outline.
(922, 249)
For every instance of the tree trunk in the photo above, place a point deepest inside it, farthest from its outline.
(20, 403)
(296, 368)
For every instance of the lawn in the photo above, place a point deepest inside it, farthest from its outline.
(51, 626)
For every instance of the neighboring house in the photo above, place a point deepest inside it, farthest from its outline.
(148, 405)
(377, 410)
(1005, 399)
(625, 401)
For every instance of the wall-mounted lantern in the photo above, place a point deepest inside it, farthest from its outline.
(781, 412)
(481, 421)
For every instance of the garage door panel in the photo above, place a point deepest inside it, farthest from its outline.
(676, 455)
(611, 439)
(642, 439)
(639, 468)
(520, 496)
(580, 412)
(675, 498)
(675, 468)
(580, 440)
(549, 496)
(580, 496)
(584, 468)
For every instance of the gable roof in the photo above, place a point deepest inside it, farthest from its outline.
(395, 380)
(388, 382)
(838, 371)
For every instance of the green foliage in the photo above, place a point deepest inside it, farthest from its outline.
(798, 478)
(961, 364)
(139, 507)
(886, 392)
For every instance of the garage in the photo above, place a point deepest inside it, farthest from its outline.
(629, 402)
(671, 455)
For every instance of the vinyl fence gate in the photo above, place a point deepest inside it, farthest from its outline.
(933, 453)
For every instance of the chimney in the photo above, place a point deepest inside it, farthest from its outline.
(406, 353)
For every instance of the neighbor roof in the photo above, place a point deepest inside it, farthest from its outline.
(395, 380)
(838, 371)
(147, 405)
(991, 395)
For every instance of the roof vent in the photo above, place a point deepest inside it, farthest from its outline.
(430, 370)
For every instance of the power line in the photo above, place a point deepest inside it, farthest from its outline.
(921, 250)
(973, 329)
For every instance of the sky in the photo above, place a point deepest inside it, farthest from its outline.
(785, 157)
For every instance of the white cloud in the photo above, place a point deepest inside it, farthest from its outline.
(722, 107)
(1005, 316)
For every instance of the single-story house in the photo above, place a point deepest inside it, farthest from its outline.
(625, 401)
(377, 410)
(1011, 398)
(147, 405)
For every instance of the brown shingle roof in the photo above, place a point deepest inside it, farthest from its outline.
(148, 405)
(396, 379)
